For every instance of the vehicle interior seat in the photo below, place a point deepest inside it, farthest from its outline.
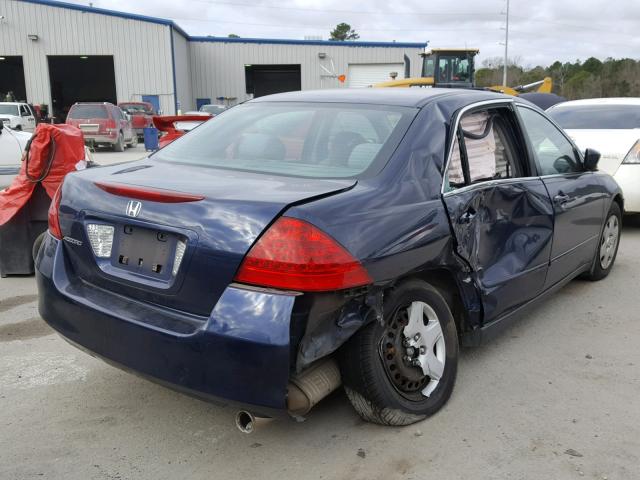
(260, 146)
(362, 156)
(342, 145)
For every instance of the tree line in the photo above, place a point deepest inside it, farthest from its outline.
(592, 78)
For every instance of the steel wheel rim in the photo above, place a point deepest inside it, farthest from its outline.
(414, 351)
(609, 242)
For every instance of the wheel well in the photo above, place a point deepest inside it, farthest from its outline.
(444, 281)
(619, 200)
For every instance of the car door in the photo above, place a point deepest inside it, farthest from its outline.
(28, 119)
(499, 209)
(125, 124)
(577, 195)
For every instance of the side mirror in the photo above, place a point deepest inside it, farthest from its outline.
(591, 159)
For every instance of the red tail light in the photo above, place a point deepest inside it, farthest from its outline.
(296, 255)
(111, 124)
(54, 215)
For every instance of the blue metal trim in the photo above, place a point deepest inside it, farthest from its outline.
(330, 43)
(173, 69)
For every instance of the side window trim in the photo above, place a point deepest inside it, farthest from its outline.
(518, 137)
(456, 127)
(531, 152)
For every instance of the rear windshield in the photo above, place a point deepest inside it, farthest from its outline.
(136, 108)
(596, 117)
(9, 110)
(88, 111)
(318, 140)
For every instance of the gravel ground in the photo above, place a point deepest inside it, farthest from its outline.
(555, 397)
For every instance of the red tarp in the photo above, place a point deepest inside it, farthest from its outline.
(67, 145)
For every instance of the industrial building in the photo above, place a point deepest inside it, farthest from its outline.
(57, 53)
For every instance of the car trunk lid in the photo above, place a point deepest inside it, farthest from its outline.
(215, 214)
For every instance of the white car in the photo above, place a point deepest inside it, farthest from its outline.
(12, 146)
(18, 116)
(611, 126)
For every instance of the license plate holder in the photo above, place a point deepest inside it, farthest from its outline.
(145, 251)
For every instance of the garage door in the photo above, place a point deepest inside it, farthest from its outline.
(366, 74)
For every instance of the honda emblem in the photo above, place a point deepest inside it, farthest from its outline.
(133, 208)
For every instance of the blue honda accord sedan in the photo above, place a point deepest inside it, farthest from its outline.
(305, 241)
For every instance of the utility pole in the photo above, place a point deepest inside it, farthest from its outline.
(506, 49)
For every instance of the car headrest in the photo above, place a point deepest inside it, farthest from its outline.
(256, 146)
(362, 155)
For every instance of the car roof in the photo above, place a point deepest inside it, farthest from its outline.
(404, 97)
(599, 101)
(12, 103)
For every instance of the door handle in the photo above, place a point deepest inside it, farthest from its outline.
(467, 216)
(561, 198)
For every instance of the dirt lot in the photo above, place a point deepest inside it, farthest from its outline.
(555, 397)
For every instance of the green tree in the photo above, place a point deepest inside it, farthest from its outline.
(592, 78)
(233, 35)
(342, 32)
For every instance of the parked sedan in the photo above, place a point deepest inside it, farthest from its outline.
(306, 240)
(213, 109)
(612, 125)
(12, 145)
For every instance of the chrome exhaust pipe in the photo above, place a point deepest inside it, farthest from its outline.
(305, 390)
(247, 422)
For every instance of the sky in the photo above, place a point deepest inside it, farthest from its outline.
(540, 31)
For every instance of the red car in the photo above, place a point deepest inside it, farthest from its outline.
(141, 115)
(174, 126)
(103, 124)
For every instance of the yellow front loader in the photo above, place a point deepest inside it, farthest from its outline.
(454, 68)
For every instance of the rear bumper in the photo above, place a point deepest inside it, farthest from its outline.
(239, 355)
(109, 138)
(628, 177)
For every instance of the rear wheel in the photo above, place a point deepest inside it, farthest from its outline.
(403, 369)
(608, 246)
(119, 145)
(134, 141)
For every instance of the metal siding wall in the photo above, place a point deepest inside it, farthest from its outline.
(181, 51)
(141, 50)
(218, 68)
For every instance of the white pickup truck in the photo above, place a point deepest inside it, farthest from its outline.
(12, 146)
(18, 116)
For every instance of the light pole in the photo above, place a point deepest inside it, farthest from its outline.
(506, 49)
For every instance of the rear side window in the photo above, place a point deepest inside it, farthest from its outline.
(9, 110)
(484, 150)
(596, 117)
(319, 140)
(553, 153)
(88, 111)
